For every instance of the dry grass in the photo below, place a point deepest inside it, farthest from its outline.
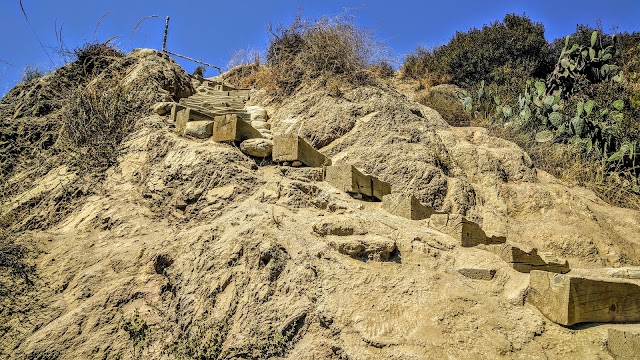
(326, 47)
(448, 104)
(570, 164)
(95, 122)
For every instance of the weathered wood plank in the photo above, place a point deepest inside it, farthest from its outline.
(380, 188)
(348, 179)
(232, 128)
(290, 147)
(209, 106)
(213, 112)
(466, 231)
(570, 299)
(406, 206)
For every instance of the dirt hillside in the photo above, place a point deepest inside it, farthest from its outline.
(203, 252)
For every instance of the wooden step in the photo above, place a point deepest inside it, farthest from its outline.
(231, 128)
(290, 148)
(348, 179)
(467, 232)
(527, 260)
(572, 299)
(182, 115)
(211, 105)
(407, 206)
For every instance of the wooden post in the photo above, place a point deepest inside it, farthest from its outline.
(166, 32)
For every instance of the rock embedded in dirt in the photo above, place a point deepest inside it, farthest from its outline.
(162, 108)
(338, 228)
(257, 147)
(375, 248)
(199, 129)
(261, 125)
(257, 113)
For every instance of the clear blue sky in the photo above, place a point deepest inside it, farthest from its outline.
(213, 31)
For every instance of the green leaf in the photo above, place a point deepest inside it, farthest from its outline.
(573, 49)
(549, 100)
(556, 119)
(544, 136)
(580, 108)
(592, 54)
(594, 37)
(578, 125)
(541, 87)
(525, 114)
(468, 103)
(496, 99)
(615, 157)
(588, 106)
(507, 111)
(618, 105)
(538, 102)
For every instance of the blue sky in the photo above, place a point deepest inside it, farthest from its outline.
(213, 31)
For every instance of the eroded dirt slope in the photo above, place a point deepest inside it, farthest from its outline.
(224, 256)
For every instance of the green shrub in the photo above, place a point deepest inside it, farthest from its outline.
(472, 56)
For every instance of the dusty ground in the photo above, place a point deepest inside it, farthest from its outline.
(224, 256)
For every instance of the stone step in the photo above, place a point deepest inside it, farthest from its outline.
(290, 148)
(571, 299)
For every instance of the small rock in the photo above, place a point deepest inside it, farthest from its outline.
(375, 248)
(267, 136)
(297, 163)
(162, 108)
(199, 129)
(257, 147)
(337, 228)
(257, 113)
(260, 125)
